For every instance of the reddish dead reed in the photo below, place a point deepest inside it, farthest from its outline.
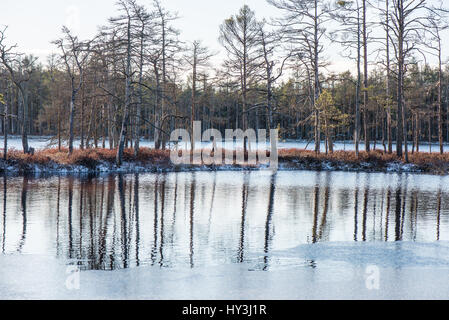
(89, 158)
(338, 156)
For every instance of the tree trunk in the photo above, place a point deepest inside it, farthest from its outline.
(430, 133)
(71, 118)
(317, 82)
(357, 90)
(365, 82)
(5, 130)
(82, 119)
(418, 132)
(405, 128)
(158, 111)
(24, 121)
(125, 120)
(192, 119)
(110, 127)
(330, 140)
(164, 83)
(440, 103)
(139, 111)
(400, 132)
(59, 129)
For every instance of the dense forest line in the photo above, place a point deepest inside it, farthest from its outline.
(137, 78)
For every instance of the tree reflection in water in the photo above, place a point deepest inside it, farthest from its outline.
(198, 219)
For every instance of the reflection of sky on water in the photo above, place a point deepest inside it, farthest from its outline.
(208, 219)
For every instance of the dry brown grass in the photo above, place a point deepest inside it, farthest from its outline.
(426, 162)
(91, 158)
(426, 158)
(338, 156)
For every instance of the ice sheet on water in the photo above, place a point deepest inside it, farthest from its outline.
(329, 271)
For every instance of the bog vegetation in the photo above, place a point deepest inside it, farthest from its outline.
(138, 79)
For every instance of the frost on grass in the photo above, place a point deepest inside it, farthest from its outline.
(149, 160)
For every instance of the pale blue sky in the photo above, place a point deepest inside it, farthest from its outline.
(34, 24)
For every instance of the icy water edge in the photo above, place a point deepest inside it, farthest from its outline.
(226, 235)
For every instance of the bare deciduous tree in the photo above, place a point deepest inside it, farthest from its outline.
(197, 58)
(274, 64)
(349, 15)
(435, 25)
(405, 27)
(304, 25)
(74, 55)
(20, 69)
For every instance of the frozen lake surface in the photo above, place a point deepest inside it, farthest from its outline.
(45, 142)
(226, 235)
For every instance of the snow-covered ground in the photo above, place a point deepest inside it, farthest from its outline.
(402, 270)
(45, 142)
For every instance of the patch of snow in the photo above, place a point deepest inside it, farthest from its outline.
(402, 167)
(327, 166)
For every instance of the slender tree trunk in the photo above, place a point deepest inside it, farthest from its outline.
(194, 76)
(413, 133)
(5, 130)
(139, 107)
(447, 113)
(357, 90)
(388, 80)
(378, 121)
(125, 120)
(59, 129)
(24, 120)
(110, 126)
(82, 118)
(430, 132)
(92, 123)
(365, 81)
(158, 111)
(405, 128)
(316, 81)
(71, 119)
(269, 105)
(164, 83)
(102, 126)
(418, 132)
(400, 132)
(440, 102)
(330, 140)
(245, 87)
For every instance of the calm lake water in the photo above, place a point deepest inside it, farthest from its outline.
(195, 220)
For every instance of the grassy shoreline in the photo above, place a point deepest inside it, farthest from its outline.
(149, 160)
